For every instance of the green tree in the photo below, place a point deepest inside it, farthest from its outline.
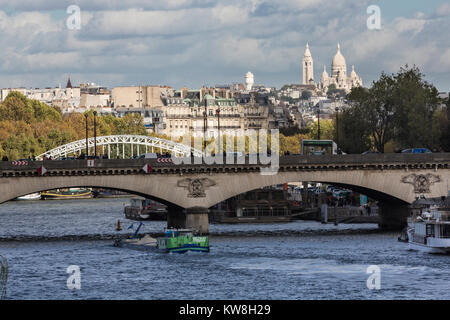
(43, 111)
(444, 119)
(16, 107)
(354, 136)
(326, 130)
(415, 103)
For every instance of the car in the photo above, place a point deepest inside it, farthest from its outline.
(416, 150)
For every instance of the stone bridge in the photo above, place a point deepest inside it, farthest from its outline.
(396, 180)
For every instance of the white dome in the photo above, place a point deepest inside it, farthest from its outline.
(249, 80)
(338, 60)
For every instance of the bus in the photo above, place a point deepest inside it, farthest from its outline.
(319, 147)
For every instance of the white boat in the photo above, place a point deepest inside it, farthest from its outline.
(430, 231)
(32, 196)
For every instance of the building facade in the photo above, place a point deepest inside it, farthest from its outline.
(206, 116)
(137, 97)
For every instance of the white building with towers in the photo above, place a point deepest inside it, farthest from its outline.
(249, 81)
(338, 73)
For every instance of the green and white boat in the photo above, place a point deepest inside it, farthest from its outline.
(174, 240)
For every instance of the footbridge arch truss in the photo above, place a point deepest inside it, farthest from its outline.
(138, 143)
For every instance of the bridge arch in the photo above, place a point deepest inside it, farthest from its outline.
(126, 183)
(149, 143)
(385, 186)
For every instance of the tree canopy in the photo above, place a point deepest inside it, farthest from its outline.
(401, 108)
(29, 127)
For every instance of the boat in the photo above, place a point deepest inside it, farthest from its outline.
(429, 230)
(31, 196)
(71, 193)
(174, 240)
(145, 209)
(108, 193)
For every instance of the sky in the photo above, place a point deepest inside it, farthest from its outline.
(209, 42)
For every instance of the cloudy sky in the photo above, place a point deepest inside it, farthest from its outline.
(208, 42)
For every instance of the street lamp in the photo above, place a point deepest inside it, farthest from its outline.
(205, 124)
(87, 141)
(337, 126)
(431, 127)
(218, 128)
(318, 122)
(95, 134)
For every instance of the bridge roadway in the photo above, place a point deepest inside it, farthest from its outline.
(396, 180)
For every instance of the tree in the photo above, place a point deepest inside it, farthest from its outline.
(29, 127)
(415, 103)
(445, 127)
(398, 109)
(326, 130)
(354, 136)
(334, 92)
(16, 107)
(378, 106)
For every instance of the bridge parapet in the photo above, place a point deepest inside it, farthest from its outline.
(286, 164)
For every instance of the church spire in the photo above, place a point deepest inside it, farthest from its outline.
(307, 67)
(69, 84)
(307, 51)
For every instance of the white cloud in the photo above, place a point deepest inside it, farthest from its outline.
(195, 42)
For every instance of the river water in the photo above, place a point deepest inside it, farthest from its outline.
(298, 260)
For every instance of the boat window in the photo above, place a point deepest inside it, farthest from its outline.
(445, 231)
(430, 230)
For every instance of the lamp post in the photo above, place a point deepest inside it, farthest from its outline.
(337, 126)
(218, 128)
(205, 124)
(318, 122)
(87, 141)
(95, 134)
(431, 127)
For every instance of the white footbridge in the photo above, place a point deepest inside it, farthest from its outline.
(114, 147)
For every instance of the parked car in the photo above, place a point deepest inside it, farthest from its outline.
(416, 150)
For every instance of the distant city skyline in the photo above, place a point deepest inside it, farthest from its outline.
(209, 42)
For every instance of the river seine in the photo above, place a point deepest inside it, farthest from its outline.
(298, 260)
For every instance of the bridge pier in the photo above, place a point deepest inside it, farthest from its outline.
(192, 218)
(393, 216)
